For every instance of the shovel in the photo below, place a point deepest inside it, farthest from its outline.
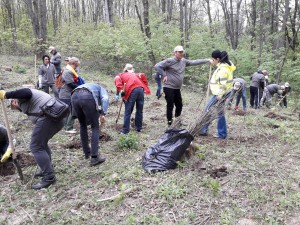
(120, 107)
(11, 144)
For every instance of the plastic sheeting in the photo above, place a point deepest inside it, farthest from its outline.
(169, 149)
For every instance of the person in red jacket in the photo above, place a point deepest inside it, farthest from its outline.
(135, 88)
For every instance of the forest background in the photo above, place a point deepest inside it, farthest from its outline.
(106, 34)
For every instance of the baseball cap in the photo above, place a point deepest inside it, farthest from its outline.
(178, 48)
(128, 67)
(286, 84)
(51, 48)
(236, 86)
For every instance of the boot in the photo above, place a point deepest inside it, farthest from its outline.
(44, 183)
(97, 160)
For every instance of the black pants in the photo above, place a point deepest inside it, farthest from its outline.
(173, 97)
(254, 97)
(84, 107)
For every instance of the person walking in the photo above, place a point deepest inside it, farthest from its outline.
(220, 83)
(46, 76)
(29, 101)
(239, 89)
(86, 100)
(136, 87)
(55, 59)
(257, 82)
(65, 92)
(172, 71)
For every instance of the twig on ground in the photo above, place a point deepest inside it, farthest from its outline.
(28, 215)
(116, 196)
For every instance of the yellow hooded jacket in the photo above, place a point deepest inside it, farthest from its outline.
(222, 79)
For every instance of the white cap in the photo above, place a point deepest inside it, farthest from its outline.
(51, 48)
(282, 87)
(128, 67)
(236, 85)
(286, 84)
(178, 48)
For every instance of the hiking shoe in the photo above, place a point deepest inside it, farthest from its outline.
(87, 156)
(97, 160)
(170, 123)
(159, 96)
(217, 136)
(38, 173)
(73, 131)
(44, 183)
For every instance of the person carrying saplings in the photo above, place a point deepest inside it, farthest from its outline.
(268, 93)
(86, 100)
(30, 101)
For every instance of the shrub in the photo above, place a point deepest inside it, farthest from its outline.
(128, 141)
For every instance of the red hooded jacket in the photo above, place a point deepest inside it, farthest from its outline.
(132, 80)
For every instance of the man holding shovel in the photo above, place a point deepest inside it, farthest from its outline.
(29, 102)
(172, 71)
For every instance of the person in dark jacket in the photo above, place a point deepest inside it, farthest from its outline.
(47, 76)
(287, 89)
(257, 83)
(29, 102)
(4, 142)
(86, 101)
(55, 59)
(269, 91)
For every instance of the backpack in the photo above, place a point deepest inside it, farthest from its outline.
(58, 81)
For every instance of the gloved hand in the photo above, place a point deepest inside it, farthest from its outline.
(219, 97)
(2, 94)
(117, 98)
(6, 155)
(122, 94)
(236, 108)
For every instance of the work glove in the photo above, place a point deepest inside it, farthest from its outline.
(6, 156)
(122, 94)
(117, 98)
(2, 94)
(236, 108)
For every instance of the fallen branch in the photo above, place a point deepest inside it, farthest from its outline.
(116, 196)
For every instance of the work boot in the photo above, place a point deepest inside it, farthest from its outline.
(97, 160)
(44, 183)
(87, 155)
(38, 173)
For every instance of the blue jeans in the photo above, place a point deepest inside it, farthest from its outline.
(240, 95)
(221, 126)
(84, 107)
(136, 97)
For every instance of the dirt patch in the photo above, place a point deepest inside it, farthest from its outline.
(209, 139)
(24, 160)
(277, 117)
(155, 104)
(104, 137)
(73, 144)
(239, 113)
(218, 172)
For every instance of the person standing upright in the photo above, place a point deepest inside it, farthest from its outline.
(136, 86)
(257, 83)
(55, 59)
(220, 83)
(47, 76)
(172, 71)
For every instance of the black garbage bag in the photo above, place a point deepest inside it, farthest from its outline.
(169, 149)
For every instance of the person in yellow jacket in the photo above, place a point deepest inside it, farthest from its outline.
(220, 83)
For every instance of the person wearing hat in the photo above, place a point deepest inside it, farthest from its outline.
(55, 59)
(5, 150)
(257, 85)
(239, 89)
(172, 71)
(287, 89)
(132, 94)
(47, 76)
(220, 84)
(269, 91)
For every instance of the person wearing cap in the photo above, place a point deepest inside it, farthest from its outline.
(5, 150)
(269, 91)
(240, 90)
(89, 102)
(46, 77)
(133, 94)
(55, 59)
(30, 102)
(287, 89)
(220, 84)
(257, 83)
(172, 71)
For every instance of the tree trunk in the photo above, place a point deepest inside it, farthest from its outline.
(163, 6)
(261, 31)
(253, 16)
(170, 10)
(209, 18)
(12, 23)
(186, 28)
(110, 12)
(181, 23)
